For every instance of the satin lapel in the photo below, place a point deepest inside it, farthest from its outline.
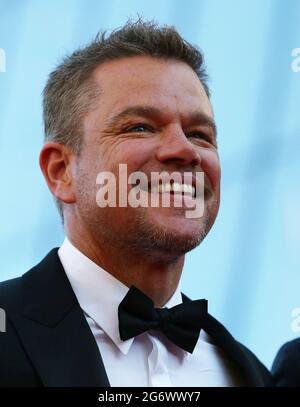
(54, 331)
(223, 339)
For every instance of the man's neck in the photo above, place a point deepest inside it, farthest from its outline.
(155, 275)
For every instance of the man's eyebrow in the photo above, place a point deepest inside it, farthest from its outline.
(146, 111)
(195, 117)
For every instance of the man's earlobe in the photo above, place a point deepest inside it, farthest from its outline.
(55, 163)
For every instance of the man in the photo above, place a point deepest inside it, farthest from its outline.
(106, 308)
(286, 366)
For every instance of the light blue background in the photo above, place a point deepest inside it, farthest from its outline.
(248, 266)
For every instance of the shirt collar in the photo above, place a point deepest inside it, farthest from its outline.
(99, 293)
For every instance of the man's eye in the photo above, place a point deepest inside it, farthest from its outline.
(201, 136)
(138, 128)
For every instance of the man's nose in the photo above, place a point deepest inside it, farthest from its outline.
(175, 146)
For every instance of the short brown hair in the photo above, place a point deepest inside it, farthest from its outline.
(70, 92)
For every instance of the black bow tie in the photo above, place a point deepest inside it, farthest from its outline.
(181, 324)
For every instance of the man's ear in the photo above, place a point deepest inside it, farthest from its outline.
(55, 163)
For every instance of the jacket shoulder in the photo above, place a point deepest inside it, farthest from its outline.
(286, 366)
(292, 346)
(10, 292)
(16, 368)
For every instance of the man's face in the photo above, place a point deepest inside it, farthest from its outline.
(167, 127)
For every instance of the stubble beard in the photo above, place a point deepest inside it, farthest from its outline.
(152, 237)
(141, 235)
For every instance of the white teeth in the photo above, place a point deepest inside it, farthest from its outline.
(175, 187)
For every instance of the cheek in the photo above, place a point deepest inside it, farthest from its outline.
(210, 164)
(134, 153)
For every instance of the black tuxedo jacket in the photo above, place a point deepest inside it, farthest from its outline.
(48, 341)
(286, 366)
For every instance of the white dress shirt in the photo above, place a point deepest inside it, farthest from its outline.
(149, 359)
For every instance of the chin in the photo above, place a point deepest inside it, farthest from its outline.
(185, 239)
(171, 238)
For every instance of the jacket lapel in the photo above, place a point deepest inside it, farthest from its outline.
(245, 362)
(236, 352)
(54, 331)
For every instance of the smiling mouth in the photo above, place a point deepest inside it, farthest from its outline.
(172, 188)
